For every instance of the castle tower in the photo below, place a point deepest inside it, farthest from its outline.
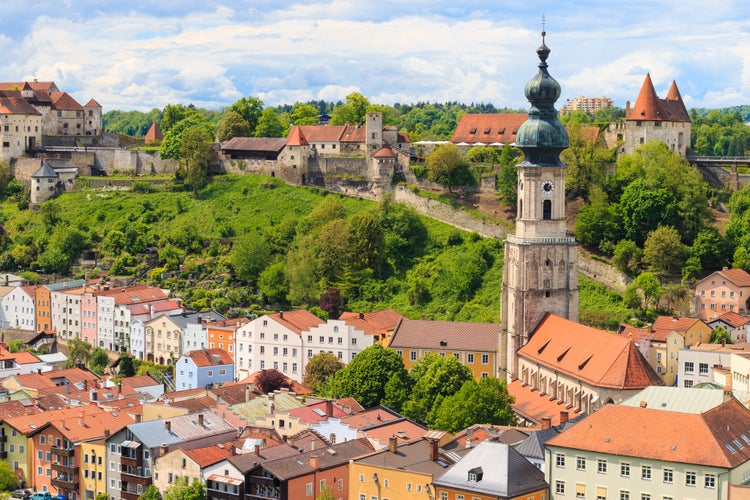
(374, 131)
(540, 270)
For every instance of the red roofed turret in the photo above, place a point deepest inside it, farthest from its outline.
(296, 137)
(646, 106)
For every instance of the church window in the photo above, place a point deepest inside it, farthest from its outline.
(547, 263)
(547, 210)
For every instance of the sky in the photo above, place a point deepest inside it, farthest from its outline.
(142, 55)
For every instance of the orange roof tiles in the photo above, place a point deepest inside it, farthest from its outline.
(308, 414)
(652, 434)
(446, 335)
(210, 357)
(370, 418)
(298, 321)
(92, 104)
(733, 319)
(405, 431)
(322, 133)
(139, 381)
(488, 128)
(209, 455)
(30, 423)
(154, 134)
(599, 358)
(354, 133)
(373, 323)
(739, 277)
(296, 137)
(84, 428)
(677, 324)
(64, 101)
(648, 106)
(534, 406)
(384, 152)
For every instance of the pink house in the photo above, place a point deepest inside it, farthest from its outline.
(723, 291)
(88, 316)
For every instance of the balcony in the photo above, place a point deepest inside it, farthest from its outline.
(129, 495)
(128, 462)
(65, 469)
(65, 483)
(62, 452)
(3, 455)
(3, 438)
(222, 495)
(135, 478)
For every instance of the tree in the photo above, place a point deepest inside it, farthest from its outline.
(486, 401)
(354, 111)
(269, 124)
(720, 334)
(151, 493)
(319, 368)
(326, 493)
(508, 180)
(126, 367)
(627, 256)
(645, 291)
(446, 166)
(99, 361)
(195, 157)
(366, 376)
(79, 351)
(249, 108)
(183, 491)
(250, 256)
(233, 125)
(272, 283)
(433, 377)
(367, 242)
(663, 251)
(330, 302)
(173, 114)
(8, 478)
(271, 380)
(16, 345)
(304, 114)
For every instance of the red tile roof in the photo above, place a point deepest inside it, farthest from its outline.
(671, 323)
(296, 137)
(405, 431)
(210, 357)
(139, 381)
(354, 134)
(322, 133)
(92, 104)
(85, 426)
(488, 128)
(599, 358)
(154, 134)
(733, 319)
(446, 335)
(373, 323)
(210, 454)
(30, 423)
(308, 414)
(384, 152)
(662, 435)
(648, 106)
(298, 321)
(534, 406)
(64, 101)
(739, 277)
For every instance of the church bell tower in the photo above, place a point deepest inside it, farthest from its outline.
(540, 270)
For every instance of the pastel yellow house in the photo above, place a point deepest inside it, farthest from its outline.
(93, 469)
(403, 472)
(188, 464)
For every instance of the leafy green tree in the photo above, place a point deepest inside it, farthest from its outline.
(326, 493)
(195, 157)
(249, 108)
(319, 368)
(586, 163)
(721, 334)
(16, 345)
(576, 117)
(397, 391)
(367, 242)
(8, 478)
(433, 377)
(644, 292)
(405, 234)
(269, 124)
(151, 493)
(272, 283)
(446, 166)
(482, 154)
(126, 367)
(304, 114)
(233, 125)
(330, 208)
(79, 351)
(711, 249)
(610, 115)
(663, 251)
(104, 496)
(300, 272)
(145, 367)
(98, 361)
(183, 491)
(173, 114)
(644, 209)
(627, 256)
(486, 401)
(508, 180)
(250, 256)
(366, 376)
(354, 111)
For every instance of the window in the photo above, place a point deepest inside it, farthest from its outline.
(646, 472)
(601, 466)
(709, 481)
(470, 357)
(361, 478)
(308, 489)
(340, 484)
(624, 495)
(690, 478)
(689, 368)
(580, 463)
(485, 359)
(580, 490)
(625, 469)
(702, 368)
(42, 439)
(210, 373)
(443, 495)
(560, 460)
(645, 496)
(668, 475)
(560, 487)
(413, 355)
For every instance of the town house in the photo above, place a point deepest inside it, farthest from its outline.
(203, 368)
(722, 291)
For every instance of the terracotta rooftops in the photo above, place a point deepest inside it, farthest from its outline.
(298, 321)
(374, 322)
(209, 455)
(272, 144)
(648, 106)
(534, 406)
(446, 335)
(64, 101)
(672, 323)
(303, 463)
(733, 319)
(599, 358)
(295, 138)
(739, 277)
(719, 437)
(488, 128)
(210, 357)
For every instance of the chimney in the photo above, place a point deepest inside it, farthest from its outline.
(85, 385)
(119, 389)
(313, 444)
(106, 433)
(314, 462)
(723, 342)
(80, 418)
(281, 314)
(329, 408)
(164, 449)
(643, 404)
(257, 450)
(93, 395)
(727, 393)
(392, 444)
(563, 416)
(248, 391)
(433, 450)
(233, 450)
(361, 315)
(67, 387)
(546, 422)
(168, 425)
(138, 418)
(200, 419)
(627, 108)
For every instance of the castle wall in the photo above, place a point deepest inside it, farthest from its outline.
(24, 168)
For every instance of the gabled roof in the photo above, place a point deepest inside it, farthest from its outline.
(182, 428)
(404, 430)
(413, 457)
(322, 133)
(265, 144)
(44, 172)
(134, 294)
(92, 104)
(86, 427)
(599, 358)
(37, 86)
(154, 134)
(373, 323)
(210, 357)
(248, 461)
(335, 456)
(505, 473)
(315, 413)
(739, 277)
(533, 405)
(234, 393)
(488, 128)
(732, 319)
(354, 133)
(296, 137)
(65, 102)
(297, 321)
(713, 439)
(677, 399)
(17, 106)
(27, 424)
(446, 335)
(140, 381)
(672, 323)
(648, 106)
(372, 417)
(209, 455)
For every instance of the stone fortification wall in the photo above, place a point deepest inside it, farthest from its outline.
(24, 168)
(443, 212)
(138, 162)
(349, 167)
(263, 167)
(602, 272)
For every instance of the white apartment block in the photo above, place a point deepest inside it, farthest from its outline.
(335, 337)
(18, 309)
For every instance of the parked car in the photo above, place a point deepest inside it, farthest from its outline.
(59, 497)
(20, 494)
(41, 495)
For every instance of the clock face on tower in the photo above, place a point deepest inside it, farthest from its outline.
(548, 187)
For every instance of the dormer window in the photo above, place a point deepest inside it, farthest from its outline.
(475, 474)
(473, 131)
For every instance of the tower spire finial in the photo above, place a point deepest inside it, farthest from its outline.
(544, 33)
